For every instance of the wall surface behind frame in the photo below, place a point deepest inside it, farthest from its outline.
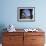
(8, 13)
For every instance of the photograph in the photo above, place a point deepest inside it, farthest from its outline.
(26, 14)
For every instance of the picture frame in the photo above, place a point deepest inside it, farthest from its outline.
(26, 14)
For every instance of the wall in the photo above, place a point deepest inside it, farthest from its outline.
(9, 13)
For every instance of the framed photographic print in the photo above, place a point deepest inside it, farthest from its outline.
(25, 14)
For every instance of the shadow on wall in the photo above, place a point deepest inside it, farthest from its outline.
(2, 26)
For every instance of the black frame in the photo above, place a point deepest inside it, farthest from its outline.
(31, 18)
